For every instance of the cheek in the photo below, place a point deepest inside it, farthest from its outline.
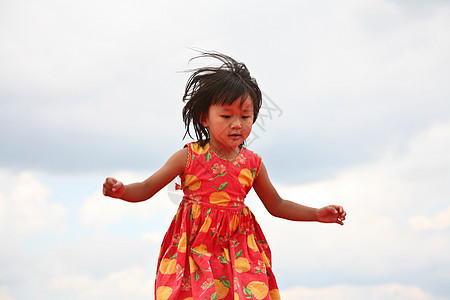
(248, 125)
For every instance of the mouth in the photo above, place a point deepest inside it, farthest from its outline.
(235, 135)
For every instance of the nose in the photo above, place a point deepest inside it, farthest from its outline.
(236, 124)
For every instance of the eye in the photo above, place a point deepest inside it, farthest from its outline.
(245, 117)
(225, 116)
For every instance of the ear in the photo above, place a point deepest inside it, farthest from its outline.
(204, 120)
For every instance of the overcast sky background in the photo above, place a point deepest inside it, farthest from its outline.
(356, 112)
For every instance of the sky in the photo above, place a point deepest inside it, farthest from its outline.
(356, 112)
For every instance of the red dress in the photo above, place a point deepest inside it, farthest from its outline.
(214, 248)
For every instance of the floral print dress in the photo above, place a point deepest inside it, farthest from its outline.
(214, 248)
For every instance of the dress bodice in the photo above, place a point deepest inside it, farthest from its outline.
(210, 179)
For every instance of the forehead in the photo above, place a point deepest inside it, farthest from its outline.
(245, 106)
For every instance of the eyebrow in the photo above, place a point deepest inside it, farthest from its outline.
(229, 109)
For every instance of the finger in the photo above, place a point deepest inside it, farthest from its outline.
(340, 211)
(117, 186)
(105, 191)
(112, 184)
(110, 181)
(108, 185)
(332, 209)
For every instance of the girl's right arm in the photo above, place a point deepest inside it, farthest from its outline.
(141, 191)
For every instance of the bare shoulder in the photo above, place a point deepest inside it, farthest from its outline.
(263, 185)
(181, 154)
(262, 177)
(262, 181)
(178, 161)
(266, 191)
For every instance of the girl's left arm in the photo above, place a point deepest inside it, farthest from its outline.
(289, 210)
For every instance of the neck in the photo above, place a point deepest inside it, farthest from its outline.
(224, 153)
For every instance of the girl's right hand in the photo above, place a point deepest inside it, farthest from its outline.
(113, 188)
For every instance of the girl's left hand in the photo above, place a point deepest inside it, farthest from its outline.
(331, 214)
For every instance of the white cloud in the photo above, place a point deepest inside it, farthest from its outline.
(353, 292)
(155, 237)
(24, 206)
(25, 212)
(95, 266)
(70, 47)
(381, 199)
(377, 48)
(440, 221)
(4, 294)
(375, 74)
(69, 70)
(132, 283)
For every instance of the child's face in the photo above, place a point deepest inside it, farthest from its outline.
(230, 125)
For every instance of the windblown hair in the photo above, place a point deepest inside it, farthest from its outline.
(217, 85)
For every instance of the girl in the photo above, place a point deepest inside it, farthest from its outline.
(214, 248)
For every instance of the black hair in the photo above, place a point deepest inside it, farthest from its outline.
(217, 85)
